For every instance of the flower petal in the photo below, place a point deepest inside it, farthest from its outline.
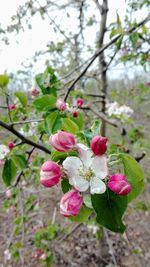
(72, 166)
(85, 154)
(99, 166)
(79, 183)
(97, 186)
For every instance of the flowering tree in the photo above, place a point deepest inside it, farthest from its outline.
(49, 140)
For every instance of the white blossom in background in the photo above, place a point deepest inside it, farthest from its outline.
(4, 150)
(120, 112)
(31, 131)
(7, 255)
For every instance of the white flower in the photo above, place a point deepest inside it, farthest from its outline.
(126, 110)
(4, 150)
(7, 255)
(121, 112)
(87, 171)
(31, 131)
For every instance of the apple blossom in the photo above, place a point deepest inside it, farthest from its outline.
(79, 102)
(71, 203)
(61, 105)
(86, 171)
(98, 145)
(50, 174)
(119, 185)
(62, 141)
(11, 145)
(35, 92)
(11, 107)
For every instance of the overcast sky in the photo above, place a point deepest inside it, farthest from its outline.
(24, 45)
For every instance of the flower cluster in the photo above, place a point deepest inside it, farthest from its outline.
(120, 112)
(87, 172)
(74, 109)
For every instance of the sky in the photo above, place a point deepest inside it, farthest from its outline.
(24, 45)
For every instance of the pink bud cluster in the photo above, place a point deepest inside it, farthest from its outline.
(11, 107)
(51, 173)
(119, 185)
(62, 106)
(34, 92)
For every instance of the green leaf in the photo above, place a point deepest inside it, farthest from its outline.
(110, 209)
(134, 174)
(65, 186)
(79, 120)
(95, 130)
(60, 156)
(53, 122)
(9, 172)
(83, 215)
(47, 81)
(19, 161)
(22, 98)
(69, 125)
(4, 80)
(134, 38)
(45, 102)
(119, 42)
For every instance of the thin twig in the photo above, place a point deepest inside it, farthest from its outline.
(100, 51)
(10, 128)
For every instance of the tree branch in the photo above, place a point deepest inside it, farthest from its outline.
(23, 138)
(101, 51)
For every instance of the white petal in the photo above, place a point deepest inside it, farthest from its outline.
(99, 166)
(79, 183)
(85, 154)
(97, 186)
(72, 166)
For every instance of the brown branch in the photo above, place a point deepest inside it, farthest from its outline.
(101, 116)
(10, 128)
(101, 51)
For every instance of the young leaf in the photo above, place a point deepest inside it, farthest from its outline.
(20, 161)
(69, 125)
(22, 98)
(110, 209)
(9, 172)
(4, 80)
(53, 122)
(134, 174)
(45, 102)
(65, 186)
(83, 215)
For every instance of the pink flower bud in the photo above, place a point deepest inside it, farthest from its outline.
(62, 141)
(12, 107)
(98, 145)
(11, 145)
(79, 102)
(71, 203)
(119, 185)
(75, 114)
(50, 174)
(35, 92)
(61, 105)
